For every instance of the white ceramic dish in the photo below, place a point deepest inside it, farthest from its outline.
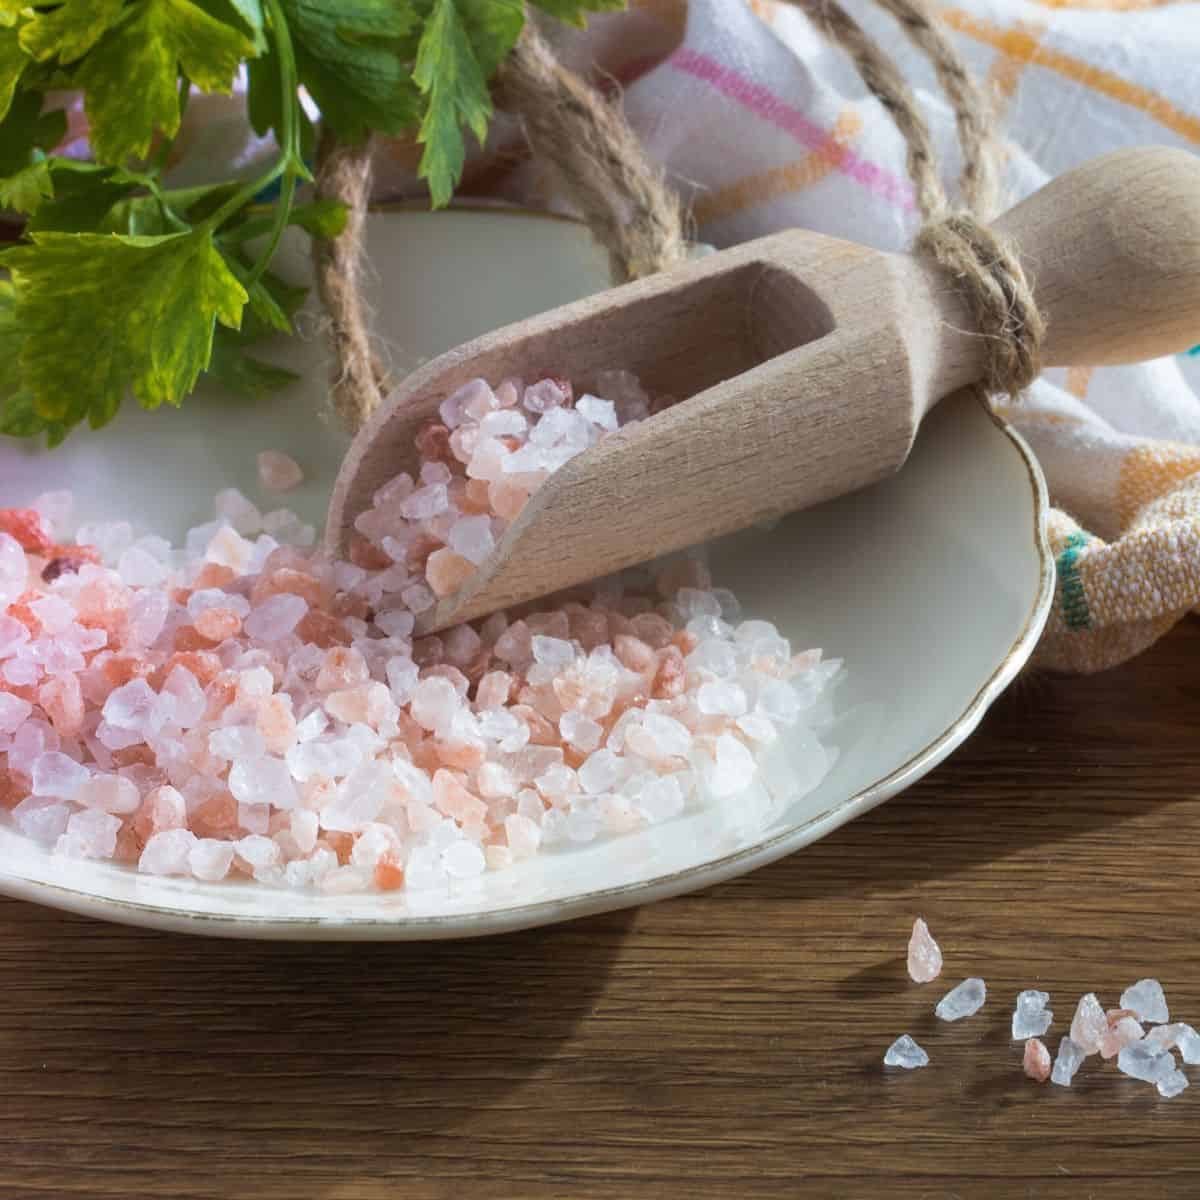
(933, 586)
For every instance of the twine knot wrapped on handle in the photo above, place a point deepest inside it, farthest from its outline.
(596, 159)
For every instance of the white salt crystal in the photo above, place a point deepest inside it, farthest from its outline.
(138, 568)
(167, 853)
(227, 548)
(733, 767)
(1146, 1062)
(476, 394)
(257, 851)
(524, 836)
(278, 472)
(661, 799)
(1070, 1058)
(721, 698)
(395, 623)
(241, 512)
(424, 869)
(134, 706)
(237, 741)
(210, 859)
(503, 423)
(305, 826)
(55, 775)
(425, 502)
(600, 772)
(434, 703)
(254, 818)
(255, 683)
(110, 793)
(13, 633)
(89, 834)
(1181, 1035)
(1172, 1084)
(13, 712)
(1147, 1000)
(402, 675)
(22, 671)
(275, 617)
(542, 396)
(600, 412)
(1031, 1018)
(14, 571)
(552, 652)
(54, 613)
(962, 1001)
(146, 617)
(188, 702)
(418, 597)
(262, 781)
(42, 820)
(471, 537)
(904, 1052)
(109, 538)
(580, 731)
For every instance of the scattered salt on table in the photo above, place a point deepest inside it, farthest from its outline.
(962, 1001)
(904, 1052)
(1146, 999)
(924, 954)
(1031, 1018)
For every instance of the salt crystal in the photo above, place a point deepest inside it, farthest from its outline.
(600, 772)
(395, 623)
(110, 793)
(1031, 1018)
(1069, 1059)
(580, 731)
(188, 701)
(1178, 1035)
(89, 834)
(262, 781)
(1146, 1062)
(134, 706)
(721, 698)
(425, 502)
(278, 472)
(56, 508)
(476, 394)
(236, 741)
(1036, 1062)
(962, 1001)
(1122, 1032)
(471, 538)
(227, 548)
(1171, 1084)
(57, 776)
(13, 712)
(257, 851)
(1089, 1025)
(146, 617)
(54, 613)
(661, 799)
(275, 617)
(40, 819)
(1147, 1000)
(924, 954)
(141, 569)
(13, 570)
(434, 704)
(418, 597)
(904, 1052)
(167, 853)
(209, 859)
(600, 412)
(733, 767)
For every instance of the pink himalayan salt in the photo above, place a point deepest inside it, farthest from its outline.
(278, 472)
(446, 571)
(217, 624)
(924, 954)
(62, 701)
(1089, 1024)
(1123, 1029)
(1037, 1060)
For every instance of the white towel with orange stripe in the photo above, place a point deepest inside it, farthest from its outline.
(762, 125)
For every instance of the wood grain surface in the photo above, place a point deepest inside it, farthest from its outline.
(725, 1044)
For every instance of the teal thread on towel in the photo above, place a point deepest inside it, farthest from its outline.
(1074, 602)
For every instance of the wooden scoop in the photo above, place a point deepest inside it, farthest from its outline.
(807, 363)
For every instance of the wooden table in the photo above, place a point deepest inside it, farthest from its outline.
(725, 1044)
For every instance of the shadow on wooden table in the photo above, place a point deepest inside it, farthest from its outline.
(402, 1034)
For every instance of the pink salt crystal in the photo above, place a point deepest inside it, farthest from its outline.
(278, 472)
(493, 690)
(62, 702)
(217, 624)
(1089, 1024)
(229, 549)
(451, 797)
(1123, 1032)
(343, 667)
(447, 571)
(111, 793)
(163, 809)
(277, 724)
(1037, 1060)
(924, 955)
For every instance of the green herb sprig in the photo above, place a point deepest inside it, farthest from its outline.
(123, 284)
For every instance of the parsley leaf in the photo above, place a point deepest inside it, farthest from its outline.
(348, 58)
(449, 74)
(25, 191)
(13, 61)
(493, 27)
(130, 78)
(572, 11)
(243, 374)
(17, 415)
(83, 195)
(69, 31)
(24, 134)
(143, 306)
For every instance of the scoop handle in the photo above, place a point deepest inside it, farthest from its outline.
(1112, 249)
